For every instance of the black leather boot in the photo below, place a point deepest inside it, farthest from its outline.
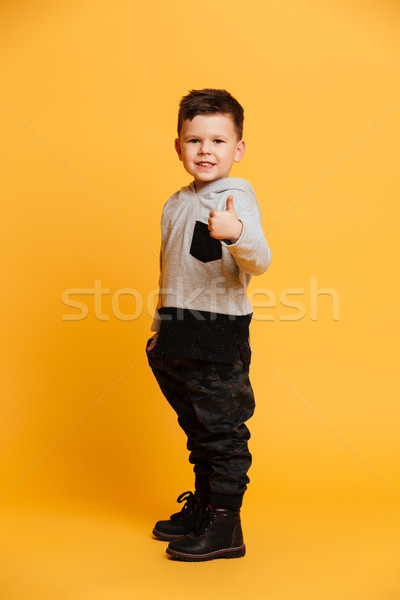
(219, 535)
(182, 522)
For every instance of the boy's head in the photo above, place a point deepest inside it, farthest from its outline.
(211, 101)
(210, 128)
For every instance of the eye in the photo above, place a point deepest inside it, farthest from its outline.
(219, 141)
(194, 140)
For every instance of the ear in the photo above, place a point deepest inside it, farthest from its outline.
(240, 149)
(178, 148)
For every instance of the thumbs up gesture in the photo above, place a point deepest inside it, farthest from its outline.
(224, 224)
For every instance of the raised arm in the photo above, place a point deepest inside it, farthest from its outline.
(239, 229)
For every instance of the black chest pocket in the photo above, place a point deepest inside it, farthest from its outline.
(204, 247)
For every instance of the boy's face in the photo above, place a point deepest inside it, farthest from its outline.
(208, 147)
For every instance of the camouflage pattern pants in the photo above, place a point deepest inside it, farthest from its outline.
(212, 401)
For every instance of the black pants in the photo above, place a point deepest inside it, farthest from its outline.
(212, 401)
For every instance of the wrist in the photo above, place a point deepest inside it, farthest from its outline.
(238, 232)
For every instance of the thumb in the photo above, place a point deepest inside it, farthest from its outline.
(229, 205)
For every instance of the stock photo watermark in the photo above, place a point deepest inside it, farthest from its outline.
(263, 301)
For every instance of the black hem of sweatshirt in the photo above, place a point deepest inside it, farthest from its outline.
(203, 335)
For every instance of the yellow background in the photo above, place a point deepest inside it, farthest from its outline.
(91, 454)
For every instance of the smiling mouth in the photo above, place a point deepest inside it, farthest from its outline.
(205, 164)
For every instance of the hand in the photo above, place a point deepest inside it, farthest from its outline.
(153, 342)
(224, 224)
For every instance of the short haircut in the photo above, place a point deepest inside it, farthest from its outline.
(209, 101)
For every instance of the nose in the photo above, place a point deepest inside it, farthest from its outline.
(204, 147)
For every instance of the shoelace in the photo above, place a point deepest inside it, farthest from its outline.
(203, 521)
(189, 499)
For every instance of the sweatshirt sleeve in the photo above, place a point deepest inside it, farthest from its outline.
(155, 326)
(250, 251)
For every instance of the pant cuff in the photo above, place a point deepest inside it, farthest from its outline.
(231, 501)
(202, 487)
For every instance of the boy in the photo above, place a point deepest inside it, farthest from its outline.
(212, 243)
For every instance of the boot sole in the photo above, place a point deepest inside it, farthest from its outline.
(165, 537)
(236, 552)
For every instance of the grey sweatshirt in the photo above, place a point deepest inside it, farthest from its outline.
(199, 272)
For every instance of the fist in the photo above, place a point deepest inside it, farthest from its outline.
(153, 342)
(224, 224)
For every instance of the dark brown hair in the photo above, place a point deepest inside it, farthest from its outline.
(209, 101)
